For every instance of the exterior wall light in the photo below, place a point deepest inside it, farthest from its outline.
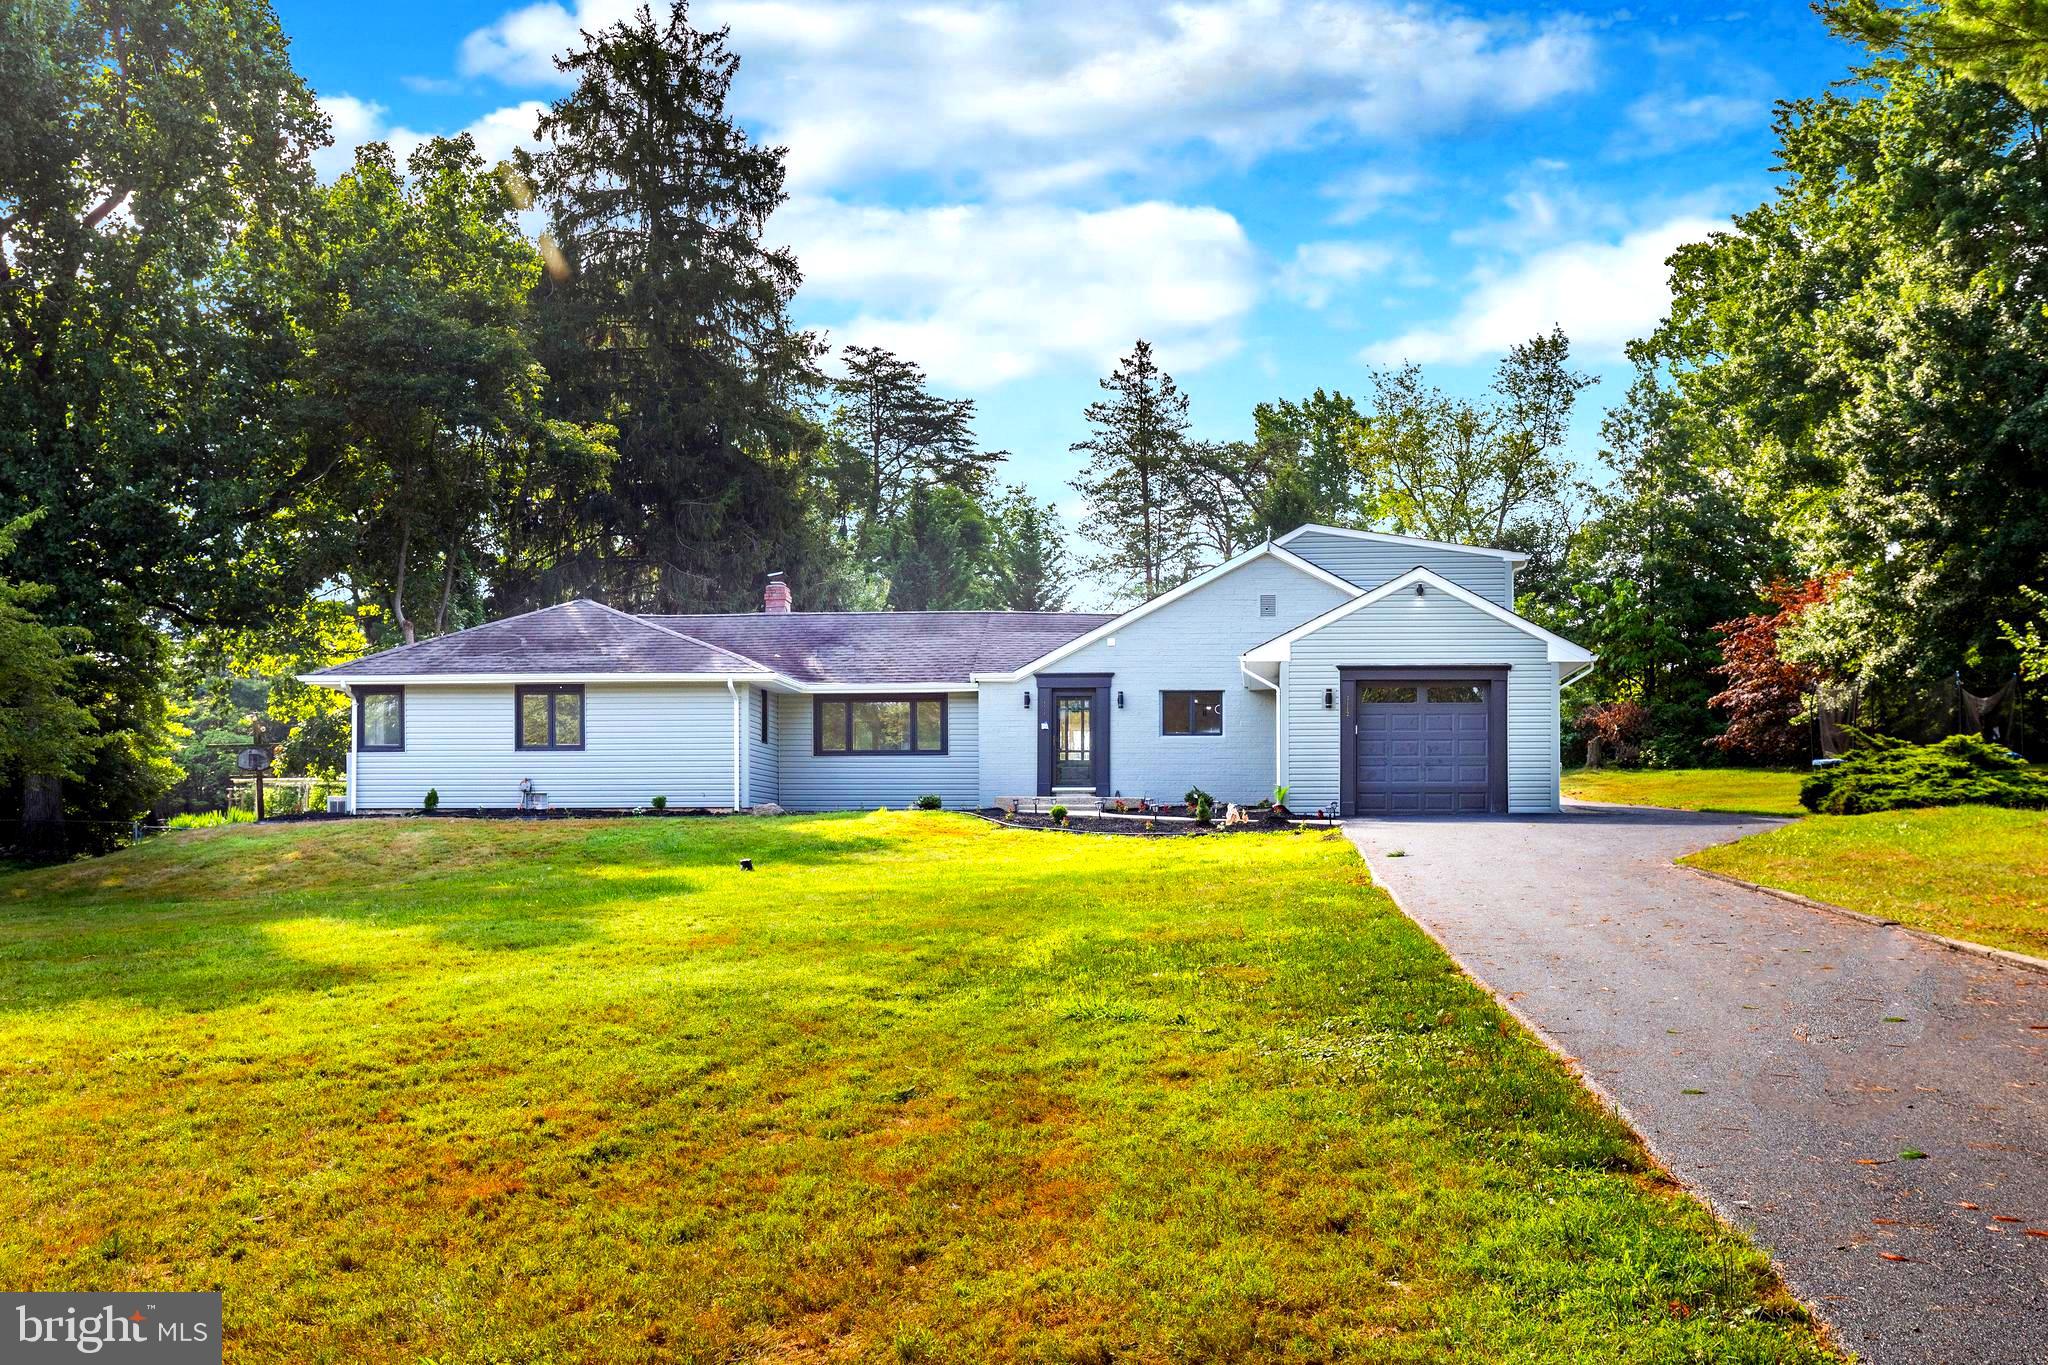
(1027, 699)
(1329, 698)
(1119, 701)
(1418, 590)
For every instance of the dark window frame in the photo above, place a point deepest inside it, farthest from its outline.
(549, 690)
(846, 700)
(363, 693)
(1190, 693)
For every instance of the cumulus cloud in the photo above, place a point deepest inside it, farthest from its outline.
(1603, 293)
(1063, 91)
(1320, 270)
(354, 122)
(981, 294)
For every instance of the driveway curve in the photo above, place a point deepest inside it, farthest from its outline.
(1778, 1059)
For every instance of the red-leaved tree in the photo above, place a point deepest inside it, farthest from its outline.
(1765, 693)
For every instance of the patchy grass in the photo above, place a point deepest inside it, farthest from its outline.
(1971, 872)
(1744, 791)
(917, 1089)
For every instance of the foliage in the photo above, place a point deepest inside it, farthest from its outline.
(1138, 438)
(929, 802)
(1888, 774)
(1766, 694)
(1200, 804)
(667, 317)
(659, 803)
(1970, 872)
(1619, 728)
(2029, 639)
(937, 553)
(1058, 815)
(1280, 795)
(1484, 473)
(432, 801)
(867, 1019)
(891, 436)
(212, 819)
(1307, 448)
(1031, 562)
(1860, 361)
(2004, 42)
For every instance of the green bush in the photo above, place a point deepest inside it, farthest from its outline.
(1058, 814)
(433, 799)
(659, 803)
(1890, 774)
(212, 819)
(929, 802)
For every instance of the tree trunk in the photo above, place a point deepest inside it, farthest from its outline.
(398, 588)
(42, 814)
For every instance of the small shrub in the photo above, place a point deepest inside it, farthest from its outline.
(1614, 733)
(433, 800)
(1280, 797)
(659, 803)
(929, 802)
(1205, 808)
(1196, 796)
(1058, 814)
(212, 819)
(1889, 774)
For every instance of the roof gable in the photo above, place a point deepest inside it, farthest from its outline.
(1280, 648)
(1392, 538)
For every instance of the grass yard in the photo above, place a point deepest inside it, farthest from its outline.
(916, 1089)
(1972, 872)
(1746, 791)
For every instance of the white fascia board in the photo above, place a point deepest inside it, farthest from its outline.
(874, 688)
(1269, 550)
(1390, 538)
(1271, 684)
(1561, 650)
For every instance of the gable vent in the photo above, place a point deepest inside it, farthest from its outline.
(1269, 604)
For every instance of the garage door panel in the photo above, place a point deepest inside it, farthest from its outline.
(1423, 748)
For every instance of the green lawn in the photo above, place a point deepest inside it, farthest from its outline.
(916, 1089)
(1748, 791)
(1973, 872)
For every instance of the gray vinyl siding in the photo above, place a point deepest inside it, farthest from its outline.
(1194, 643)
(641, 740)
(763, 760)
(1369, 563)
(809, 781)
(1403, 630)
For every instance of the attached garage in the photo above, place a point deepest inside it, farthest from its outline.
(1426, 743)
(1418, 698)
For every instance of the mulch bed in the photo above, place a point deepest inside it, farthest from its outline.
(1261, 822)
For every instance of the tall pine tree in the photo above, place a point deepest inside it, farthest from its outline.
(1139, 434)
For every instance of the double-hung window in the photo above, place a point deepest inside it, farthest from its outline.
(380, 720)
(878, 725)
(548, 717)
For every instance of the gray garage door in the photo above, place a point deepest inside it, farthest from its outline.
(1423, 748)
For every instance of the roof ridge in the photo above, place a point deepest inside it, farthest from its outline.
(677, 634)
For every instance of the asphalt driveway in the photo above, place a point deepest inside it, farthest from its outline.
(1820, 1048)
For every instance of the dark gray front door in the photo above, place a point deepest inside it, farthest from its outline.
(1424, 748)
(1073, 739)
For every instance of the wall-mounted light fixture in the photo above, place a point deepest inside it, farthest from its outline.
(1119, 701)
(1027, 701)
(1418, 590)
(1329, 698)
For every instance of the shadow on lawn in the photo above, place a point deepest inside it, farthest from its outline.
(191, 928)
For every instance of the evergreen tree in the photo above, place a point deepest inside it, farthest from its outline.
(937, 553)
(892, 436)
(1135, 520)
(1031, 558)
(666, 315)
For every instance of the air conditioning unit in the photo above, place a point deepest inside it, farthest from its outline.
(337, 805)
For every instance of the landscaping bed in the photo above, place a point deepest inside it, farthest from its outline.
(1157, 824)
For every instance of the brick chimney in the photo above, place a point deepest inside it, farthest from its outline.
(775, 597)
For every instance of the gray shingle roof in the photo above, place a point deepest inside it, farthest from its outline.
(887, 646)
(575, 637)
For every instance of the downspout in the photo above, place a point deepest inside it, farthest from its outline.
(734, 689)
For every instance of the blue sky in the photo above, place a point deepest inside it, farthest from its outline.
(1280, 194)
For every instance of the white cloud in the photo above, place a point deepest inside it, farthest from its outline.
(1086, 88)
(1320, 269)
(982, 294)
(355, 121)
(1603, 293)
(1362, 193)
(1659, 125)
